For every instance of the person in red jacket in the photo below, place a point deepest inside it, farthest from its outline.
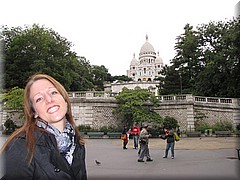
(135, 133)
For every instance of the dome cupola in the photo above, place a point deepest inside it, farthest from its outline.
(134, 61)
(159, 60)
(147, 50)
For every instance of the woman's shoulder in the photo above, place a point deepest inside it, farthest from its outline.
(17, 144)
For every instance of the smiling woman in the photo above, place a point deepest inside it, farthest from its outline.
(48, 103)
(48, 146)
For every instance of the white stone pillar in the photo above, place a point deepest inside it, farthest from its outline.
(236, 111)
(190, 118)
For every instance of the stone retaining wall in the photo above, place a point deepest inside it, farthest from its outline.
(96, 109)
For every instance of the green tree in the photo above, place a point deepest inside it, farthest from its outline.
(207, 60)
(100, 75)
(38, 49)
(82, 77)
(170, 122)
(121, 78)
(185, 65)
(171, 81)
(220, 51)
(136, 106)
(13, 99)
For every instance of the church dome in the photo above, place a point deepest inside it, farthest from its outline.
(158, 59)
(134, 61)
(147, 49)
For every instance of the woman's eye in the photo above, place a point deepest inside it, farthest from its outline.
(38, 99)
(54, 92)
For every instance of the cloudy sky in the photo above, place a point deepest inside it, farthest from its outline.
(109, 32)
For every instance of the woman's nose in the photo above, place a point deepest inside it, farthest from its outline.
(48, 98)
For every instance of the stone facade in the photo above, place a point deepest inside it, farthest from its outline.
(147, 66)
(117, 87)
(95, 112)
(96, 109)
(143, 71)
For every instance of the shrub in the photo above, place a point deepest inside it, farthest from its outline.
(105, 129)
(10, 126)
(238, 127)
(202, 127)
(84, 128)
(223, 126)
(170, 122)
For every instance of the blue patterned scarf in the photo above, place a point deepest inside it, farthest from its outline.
(65, 140)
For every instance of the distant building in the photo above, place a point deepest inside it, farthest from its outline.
(148, 65)
(143, 71)
(237, 9)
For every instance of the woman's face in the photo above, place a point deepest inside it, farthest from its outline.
(48, 103)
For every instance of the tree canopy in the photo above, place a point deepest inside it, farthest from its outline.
(206, 61)
(13, 99)
(136, 106)
(37, 49)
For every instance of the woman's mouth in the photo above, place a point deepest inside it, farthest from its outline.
(53, 109)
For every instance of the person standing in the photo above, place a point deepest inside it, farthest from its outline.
(178, 132)
(144, 140)
(135, 133)
(169, 136)
(125, 137)
(48, 146)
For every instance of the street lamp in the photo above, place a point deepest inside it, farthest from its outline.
(180, 79)
(180, 76)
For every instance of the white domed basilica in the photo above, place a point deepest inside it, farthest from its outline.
(148, 65)
(143, 71)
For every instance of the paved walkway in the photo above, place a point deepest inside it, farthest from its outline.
(195, 158)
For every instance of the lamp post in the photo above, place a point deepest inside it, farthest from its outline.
(180, 76)
(180, 79)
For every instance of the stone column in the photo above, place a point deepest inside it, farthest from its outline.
(236, 112)
(190, 118)
(190, 113)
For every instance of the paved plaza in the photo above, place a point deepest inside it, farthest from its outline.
(195, 158)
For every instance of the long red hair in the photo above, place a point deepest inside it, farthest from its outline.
(29, 125)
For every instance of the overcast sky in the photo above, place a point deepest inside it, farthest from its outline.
(108, 32)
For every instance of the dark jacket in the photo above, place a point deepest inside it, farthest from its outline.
(170, 137)
(47, 163)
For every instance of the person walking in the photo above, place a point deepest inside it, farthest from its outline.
(135, 133)
(48, 146)
(169, 136)
(144, 140)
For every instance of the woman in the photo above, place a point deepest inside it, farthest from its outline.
(48, 146)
